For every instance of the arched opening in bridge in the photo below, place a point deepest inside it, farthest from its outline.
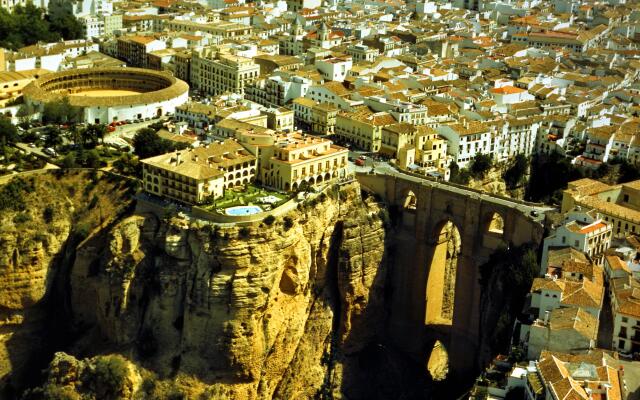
(496, 224)
(441, 282)
(410, 201)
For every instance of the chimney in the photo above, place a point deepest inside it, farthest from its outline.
(546, 317)
(178, 157)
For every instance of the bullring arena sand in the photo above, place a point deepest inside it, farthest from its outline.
(105, 93)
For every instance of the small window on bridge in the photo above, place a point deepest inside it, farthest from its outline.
(496, 224)
(410, 201)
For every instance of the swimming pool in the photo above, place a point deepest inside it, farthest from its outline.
(243, 210)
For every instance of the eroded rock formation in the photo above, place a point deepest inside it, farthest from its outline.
(255, 311)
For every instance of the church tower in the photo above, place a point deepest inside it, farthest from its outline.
(323, 32)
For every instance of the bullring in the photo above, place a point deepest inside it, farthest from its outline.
(106, 95)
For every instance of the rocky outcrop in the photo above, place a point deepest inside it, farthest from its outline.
(253, 312)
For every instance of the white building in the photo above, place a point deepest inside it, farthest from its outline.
(625, 307)
(584, 231)
(334, 68)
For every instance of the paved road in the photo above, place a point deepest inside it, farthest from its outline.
(35, 150)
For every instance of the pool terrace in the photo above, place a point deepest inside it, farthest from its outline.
(249, 195)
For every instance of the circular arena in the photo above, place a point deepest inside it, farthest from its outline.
(106, 95)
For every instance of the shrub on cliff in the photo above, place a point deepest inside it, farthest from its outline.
(12, 194)
(288, 223)
(109, 377)
(516, 172)
(269, 220)
(480, 165)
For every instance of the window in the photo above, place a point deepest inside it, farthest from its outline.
(625, 319)
(626, 198)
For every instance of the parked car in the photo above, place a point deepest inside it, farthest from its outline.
(360, 162)
(50, 152)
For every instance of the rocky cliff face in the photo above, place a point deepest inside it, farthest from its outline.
(39, 216)
(263, 311)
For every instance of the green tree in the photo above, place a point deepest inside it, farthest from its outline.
(550, 174)
(516, 172)
(147, 143)
(109, 377)
(27, 25)
(60, 112)
(92, 159)
(75, 134)
(54, 137)
(458, 175)
(92, 134)
(628, 172)
(480, 165)
(69, 161)
(25, 113)
(8, 135)
(128, 165)
(66, 24)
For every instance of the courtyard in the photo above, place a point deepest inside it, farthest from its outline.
(248, 199)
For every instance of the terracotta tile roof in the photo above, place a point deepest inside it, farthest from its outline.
(583, 294)
(202, 162)
(555, 285)
(507, 90)
(585, 370)
(337, 88)
(616, 264)
(593, 227)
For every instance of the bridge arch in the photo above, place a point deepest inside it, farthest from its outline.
(442, 268)
(418, 256)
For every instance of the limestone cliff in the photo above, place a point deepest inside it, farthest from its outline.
(261, 311)
(38, 217)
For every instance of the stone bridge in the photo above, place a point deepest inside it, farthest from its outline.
(446, 233)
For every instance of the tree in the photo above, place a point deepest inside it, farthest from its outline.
(24, 113)
(69, 161)
(66, 24)
(628, 172)
(110, 377)
(92, 159)
(27, 25)
(147, 143)
(458, 175)
(75, 134)
(550, 174)
(93, 133)
(54, 137)
(8, 135)
(516, 172)
(480, 165)
(60, 112)
(128, 165)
